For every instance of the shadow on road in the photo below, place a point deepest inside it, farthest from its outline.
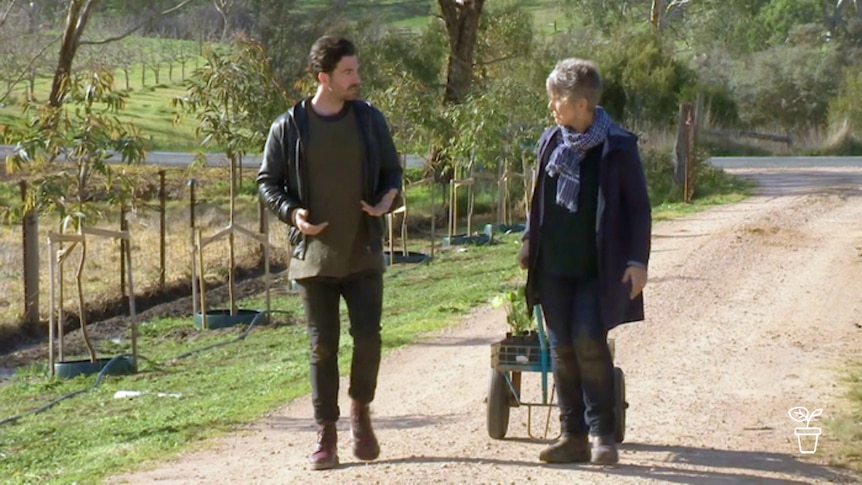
(736, 467)
(380, 422)
(735, 461)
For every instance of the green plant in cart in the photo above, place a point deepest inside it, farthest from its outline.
(517, 314)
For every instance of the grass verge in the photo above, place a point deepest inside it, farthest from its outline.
(93, 435)
(844, 447)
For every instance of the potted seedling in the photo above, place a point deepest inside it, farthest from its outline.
(806, 437)
(517, 317)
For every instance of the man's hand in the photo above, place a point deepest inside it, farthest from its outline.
(382, 207)
(300, 220)
(638, 278)
(524, 254)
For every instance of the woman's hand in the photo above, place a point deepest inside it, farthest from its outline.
(638, 278)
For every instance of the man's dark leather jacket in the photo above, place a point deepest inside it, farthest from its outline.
(283, 181)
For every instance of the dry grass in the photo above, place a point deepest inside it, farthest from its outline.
(101, 275)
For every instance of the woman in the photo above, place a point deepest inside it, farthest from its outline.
(587, 249)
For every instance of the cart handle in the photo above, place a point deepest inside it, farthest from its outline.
(544, 352)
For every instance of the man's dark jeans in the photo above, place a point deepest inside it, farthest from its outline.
(581, 359)
(363, 293)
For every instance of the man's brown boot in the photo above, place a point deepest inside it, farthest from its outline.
(365, 446)
(570, 448)
(325, 454)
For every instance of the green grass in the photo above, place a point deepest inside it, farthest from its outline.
(93, 435)
(674, 210)
(150, 110)
(846, 427)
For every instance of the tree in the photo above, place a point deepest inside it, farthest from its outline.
(235, 98)
(54, 130)
(225, 9)
(85, 133)
(607, 15)
(77, 16)
(845, 109)
(6, 11)
(787, 86)
(779, 17)
(461, 18)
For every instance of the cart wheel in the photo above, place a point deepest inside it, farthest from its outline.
(498, 405)
(620, 405)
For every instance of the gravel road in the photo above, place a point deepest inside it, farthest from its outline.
(752, 309)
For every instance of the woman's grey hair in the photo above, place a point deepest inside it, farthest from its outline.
(573, 79)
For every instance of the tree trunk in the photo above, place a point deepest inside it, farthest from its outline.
(225, 9)
(656, 14)
(462, 25)
(76, 21)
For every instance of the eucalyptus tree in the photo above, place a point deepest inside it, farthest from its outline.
(234, 97)
(71, 126)
(85, 133)
(461, 18)
(225, 8)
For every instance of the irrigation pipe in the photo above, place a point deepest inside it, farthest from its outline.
(221, 344)
(51, 404)
(100, 377)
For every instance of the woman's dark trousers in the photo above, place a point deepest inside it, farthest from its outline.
(581, 359)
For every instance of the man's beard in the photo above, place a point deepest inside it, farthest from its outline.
(352, 93)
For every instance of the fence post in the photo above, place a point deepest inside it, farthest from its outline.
(690, 130)
(262, 223)
(680, 148)
(30, 233)
(124, 248)
(192, 202)
(699, 108)
(162, 228)
(433, 186)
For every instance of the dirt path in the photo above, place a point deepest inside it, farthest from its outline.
(752, 309)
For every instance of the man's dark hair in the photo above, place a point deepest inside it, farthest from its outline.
(327, 51)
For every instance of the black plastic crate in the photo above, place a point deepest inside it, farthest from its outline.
(520, 350)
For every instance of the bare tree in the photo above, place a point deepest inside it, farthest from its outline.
(462, 25)
(664, 11)
(21, 53)
(77, 16)
(4, 13)
(225, 9)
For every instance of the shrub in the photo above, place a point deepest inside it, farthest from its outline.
(787, 87)
(845, 109)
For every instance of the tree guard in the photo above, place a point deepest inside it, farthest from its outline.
(57, 256)
(230, 231)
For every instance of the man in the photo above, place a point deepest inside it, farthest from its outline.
(329, 171)
(586, 248)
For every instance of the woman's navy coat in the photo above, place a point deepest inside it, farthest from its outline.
(623, 222)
